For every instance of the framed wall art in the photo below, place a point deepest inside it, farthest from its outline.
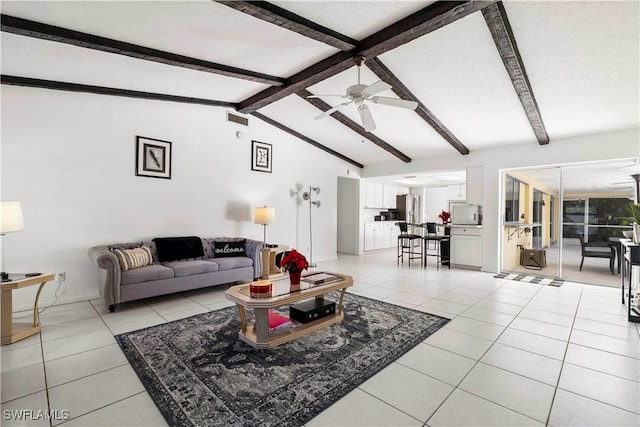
(153, 158)
(261, 156)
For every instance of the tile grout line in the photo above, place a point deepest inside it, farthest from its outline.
(483, 354)
(564, 357)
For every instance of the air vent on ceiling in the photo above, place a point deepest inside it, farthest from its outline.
(237, 119)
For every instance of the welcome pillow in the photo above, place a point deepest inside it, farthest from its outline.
(229, 249)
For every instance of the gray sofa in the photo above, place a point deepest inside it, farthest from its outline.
(162, 278)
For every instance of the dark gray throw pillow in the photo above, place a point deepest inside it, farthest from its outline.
(229, 249)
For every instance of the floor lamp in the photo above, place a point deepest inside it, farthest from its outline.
(11, 220)
(307, 196)
(265, 216)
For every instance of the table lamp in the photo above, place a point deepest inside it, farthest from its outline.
(11, 220)
(265, 216)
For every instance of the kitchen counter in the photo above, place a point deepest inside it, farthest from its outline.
(463, 226)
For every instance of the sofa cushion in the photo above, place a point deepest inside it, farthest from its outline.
(229, 263)
(188, 268)
(146, 274)
(229, 249)
(133, 258)
(174, 248)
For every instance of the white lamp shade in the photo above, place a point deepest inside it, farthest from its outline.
(11, 218)
(265, 215)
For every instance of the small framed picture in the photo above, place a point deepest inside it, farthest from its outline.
(261, 156)
(153, 158)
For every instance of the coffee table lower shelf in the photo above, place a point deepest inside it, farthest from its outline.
(257, 335)
(250, 337)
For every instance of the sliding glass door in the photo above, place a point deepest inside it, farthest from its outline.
(528, 220)
(550, 209)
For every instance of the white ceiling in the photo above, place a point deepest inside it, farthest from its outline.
(582, 60)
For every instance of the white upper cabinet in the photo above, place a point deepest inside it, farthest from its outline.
(381, 196)
(373, 197)
(474, 185)
(389, 196)
(457, 192)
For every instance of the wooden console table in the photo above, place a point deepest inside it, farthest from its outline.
(258, 334)
(12, 332)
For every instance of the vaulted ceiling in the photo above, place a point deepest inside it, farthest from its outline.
(484, 73)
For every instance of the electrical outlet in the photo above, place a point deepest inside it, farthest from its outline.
(61, 277)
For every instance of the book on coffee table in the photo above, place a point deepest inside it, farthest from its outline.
(278, 323)
(320, 278)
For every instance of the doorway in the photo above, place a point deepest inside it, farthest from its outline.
(550, 208)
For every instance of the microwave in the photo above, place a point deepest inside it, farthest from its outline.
(466, 215)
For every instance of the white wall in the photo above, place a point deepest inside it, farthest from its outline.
(70, 157)
(435, 202)
(607, 146)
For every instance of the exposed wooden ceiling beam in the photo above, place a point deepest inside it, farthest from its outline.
(39, 30)
(410, 28)
(323, 106)
(283, 18)
(305, 138)
(403, 92)
(498, 23)
(101, 90)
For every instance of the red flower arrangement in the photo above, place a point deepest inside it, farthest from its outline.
(444, 216)
(293, 261)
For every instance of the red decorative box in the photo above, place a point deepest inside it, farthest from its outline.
(260, 290)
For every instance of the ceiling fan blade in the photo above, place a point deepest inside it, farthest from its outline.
(327, 96)
(377, 87)
(331, 110)
(395, 102)
(367, 119)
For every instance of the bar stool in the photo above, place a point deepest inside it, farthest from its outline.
(431, 231)
(438, 241)
(406, 245)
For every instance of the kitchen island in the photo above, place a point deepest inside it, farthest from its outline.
(466, 246)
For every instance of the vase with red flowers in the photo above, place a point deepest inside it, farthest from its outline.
(294, 262)
(444, 216)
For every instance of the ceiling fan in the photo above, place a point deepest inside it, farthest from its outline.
(357, 94)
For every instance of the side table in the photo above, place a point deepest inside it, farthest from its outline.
(269, 268)
(12, 332)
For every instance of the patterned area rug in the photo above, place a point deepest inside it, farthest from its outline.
(200, 374)
(531, 279)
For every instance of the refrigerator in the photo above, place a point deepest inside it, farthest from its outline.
(409, 208)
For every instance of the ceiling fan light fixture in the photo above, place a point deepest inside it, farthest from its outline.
(359, 93)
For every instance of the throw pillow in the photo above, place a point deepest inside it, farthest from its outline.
(133, 258)
(175, 248)
(228, 249)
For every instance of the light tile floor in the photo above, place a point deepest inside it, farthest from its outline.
(515, 353)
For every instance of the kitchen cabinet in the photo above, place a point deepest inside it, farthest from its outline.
(381, 196)
(380, 235)
(457, 192)
(389, 196)
(373, 197)
(474, 185)
(466, 247)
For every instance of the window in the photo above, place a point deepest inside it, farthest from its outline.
(598, 218)
(537, 218)
(512, 200)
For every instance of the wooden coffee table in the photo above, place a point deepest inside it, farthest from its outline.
(258, 334)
